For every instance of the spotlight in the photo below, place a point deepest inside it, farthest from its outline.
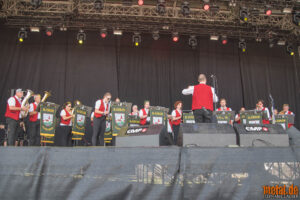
(35, 29)
(242, 45)
(185, 9)
(136, 39)
(22, 34)
(287, 10)
(193, 41)
(296, 17)
(81, 36)
(224, 39)
(160, 7)
(118, 32)
(98, 5)
(206, 7)
(268, 10)
(36, 3)
(175, 36)
(155, 35)
(232, 3)
(103, 32)
(140, 2)
(214, 37)
(49, 31)
(244, 14)
(281, 42)
(290, 50)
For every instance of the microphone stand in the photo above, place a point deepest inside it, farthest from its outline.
(272, 108)
(214, 78)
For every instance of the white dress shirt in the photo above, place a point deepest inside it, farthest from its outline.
(190, 91)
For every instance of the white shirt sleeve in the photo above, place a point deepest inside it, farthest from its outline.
(230, 109)
(31, 108)
(141, 113)
(173, 113)
(268, 112)
(63, 113)
(97, 105)
(215, 97)
(188, 91)
(11, 101)
(92, 115)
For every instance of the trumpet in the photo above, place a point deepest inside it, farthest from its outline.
(25, 103)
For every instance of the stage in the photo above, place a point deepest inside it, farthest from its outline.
(145, 173)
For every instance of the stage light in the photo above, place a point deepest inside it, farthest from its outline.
(185, 8)
(63, 28)
(34, 29)
(118, 32)
(140, 2)
(281, 42)
(49, 31)
(160, 7)
(268, 10)
(232, 3)
(224, 40)
(193, 41)
(36, 3)
(290, 50)
(99, 5)
(81, 36)
(296, 17)
(214, 37)
(242, 45)
(287, 11)
(103, 32)
(244, 14)
(22, 34)
(175, 36)
(206, 7)
(136, 39)
(155, 35)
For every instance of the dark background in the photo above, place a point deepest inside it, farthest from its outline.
(156, 70)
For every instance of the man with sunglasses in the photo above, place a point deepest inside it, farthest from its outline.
(102, 108)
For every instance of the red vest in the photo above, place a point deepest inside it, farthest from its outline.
(265, 121)
(202, 97)
(13, 114)
(33, 118)
(239, 121)
(143, 121)
(177, 122)
(101, 109)
(66, 122)
(220, 109)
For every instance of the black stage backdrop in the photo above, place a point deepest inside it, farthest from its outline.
(156, 70)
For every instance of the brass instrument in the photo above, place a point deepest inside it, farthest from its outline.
(29, 94)
(76, 103)
(45, 97)
(282, 112)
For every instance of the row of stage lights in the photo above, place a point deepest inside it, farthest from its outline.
(137, 38)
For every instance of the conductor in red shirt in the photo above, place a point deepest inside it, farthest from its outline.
(203, 98)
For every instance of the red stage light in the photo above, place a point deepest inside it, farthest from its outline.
(268, 12)
(206, 7)
(103, 35)
(141, 2)
(175, 38)
(224, 41)
(49, 33)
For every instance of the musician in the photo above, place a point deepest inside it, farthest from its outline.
(176, 119)
(286, 111)
(144, 113)
(135, 110)
(102, 108)
(275, 112)
(260, 107)
(34, 122)
(63, 135)
(12, 115)
(117, 100)
(238, 116)
(21, 131)
(203, 98)
(223, 106)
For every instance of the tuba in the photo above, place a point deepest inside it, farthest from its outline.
(25, 103)
(45, 97)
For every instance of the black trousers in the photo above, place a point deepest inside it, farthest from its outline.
(99, 126)
(62, 136)
(202, 115)
(12, 126)
(34, 133)
(176, 133)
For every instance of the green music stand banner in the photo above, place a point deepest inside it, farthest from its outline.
(78, 128)
(224, 117)
(48, 122)
(133, 120)
(251, 117)
(119, 112)
(188, 118)
(282, 120)
(158, 115)
(108, 131)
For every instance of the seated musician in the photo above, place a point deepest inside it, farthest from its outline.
(286, 111)
(223, 106)
(260, 107)
(117, 100)
(63, 135)
(135, 111)
(238, 116)
(144, 114)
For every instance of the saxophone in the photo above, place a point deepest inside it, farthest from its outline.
(25, 103)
